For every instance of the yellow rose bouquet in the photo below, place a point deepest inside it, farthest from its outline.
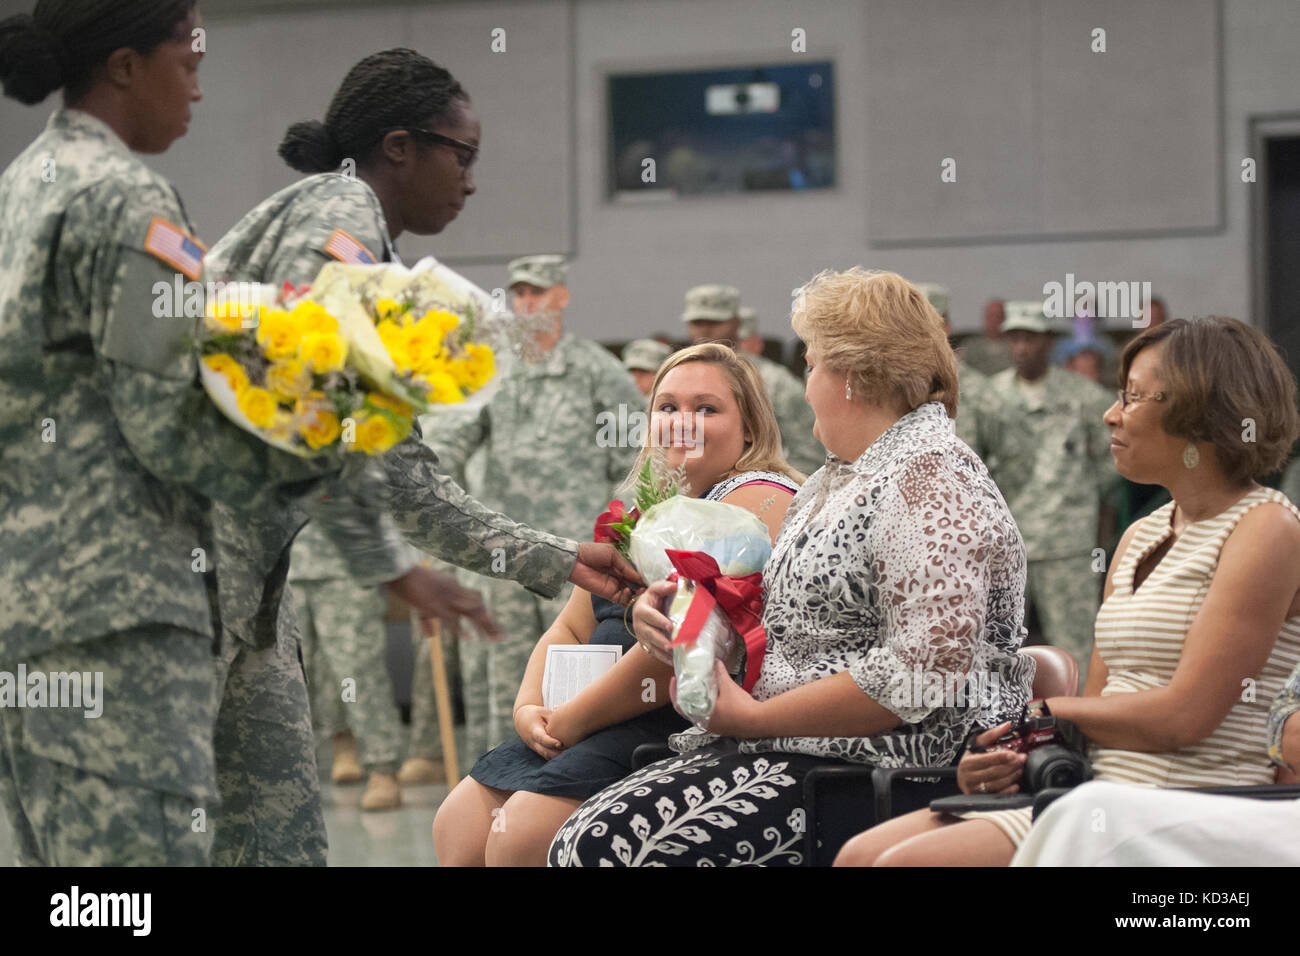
(347, 363)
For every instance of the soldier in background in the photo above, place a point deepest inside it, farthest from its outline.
(970, 382)
(642, 358)
(750, 341)
(712, 314)
(987, 353)
(552, 459)
(1041, 434)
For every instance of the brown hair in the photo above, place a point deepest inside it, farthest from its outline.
(1219, 374)
(883, 333)
(763, 453)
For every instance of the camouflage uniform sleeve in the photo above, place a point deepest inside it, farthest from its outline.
(615, 387)
(437, 516)
(150, 367)
(455, 432)
(363, 531)
(1285, 705)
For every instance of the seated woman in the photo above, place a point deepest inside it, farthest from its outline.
(897, 559)
(1201, 618)
(1149, 827)
(710, 414)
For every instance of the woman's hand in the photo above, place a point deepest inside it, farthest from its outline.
(532, 722)
(563, 725)
(997, 771)
(735, 712)
(652, 628)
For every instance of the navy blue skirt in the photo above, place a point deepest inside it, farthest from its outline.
(590, 765)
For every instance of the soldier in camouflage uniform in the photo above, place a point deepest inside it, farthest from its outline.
(1041, 434)
(970, 382)
(110, 453)
(712, 314)
(988, 353)
(554, 456)
(642, 358)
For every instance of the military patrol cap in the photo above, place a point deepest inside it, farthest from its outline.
(541, 271)
(712, 303)
(748, 322)
(937, 294)
(644, 355)
(1026, 315)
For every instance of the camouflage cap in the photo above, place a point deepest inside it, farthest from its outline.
(748, 322)
(1026, 315)
(645, 355)
(712, 303)
(937, 294)
(541, 271)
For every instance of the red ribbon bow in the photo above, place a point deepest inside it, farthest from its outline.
(741, 600)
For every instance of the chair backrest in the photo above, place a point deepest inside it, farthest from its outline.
(1056, 673)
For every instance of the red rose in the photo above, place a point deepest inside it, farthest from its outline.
(605, 533)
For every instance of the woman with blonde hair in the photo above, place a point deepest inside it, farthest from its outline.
(1201, 618)
(710, 415)
(898, 570)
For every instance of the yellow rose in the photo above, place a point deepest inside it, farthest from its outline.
(288, 378)
(375, 434)
(388, 309)
(281, 426)
(320, 429)
(323, 351)
(258, 404)
(226, 316)
(475, 369)
(227, 366)
(443, 322)
(279, 334)
(312, 317)
(394, 405)
(443, 389)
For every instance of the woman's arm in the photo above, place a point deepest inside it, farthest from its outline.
(573, 625)
(1227, 645)
(638, 683)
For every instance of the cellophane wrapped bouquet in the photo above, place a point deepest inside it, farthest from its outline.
(715, 553)
(346, 364)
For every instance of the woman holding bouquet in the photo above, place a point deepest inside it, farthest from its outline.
(711, 416)
(393, 155)
(898, 560)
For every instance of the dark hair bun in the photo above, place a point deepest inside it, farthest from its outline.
(309, 148)
(31, 60)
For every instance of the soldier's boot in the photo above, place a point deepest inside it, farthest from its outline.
(421, 770)
(347, 769)
(382, 793)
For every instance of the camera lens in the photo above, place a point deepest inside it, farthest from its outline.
(1054, 766)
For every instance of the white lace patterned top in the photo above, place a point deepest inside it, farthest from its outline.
(904, 568)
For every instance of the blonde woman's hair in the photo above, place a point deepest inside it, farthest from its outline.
(763, 452)
(881, 331)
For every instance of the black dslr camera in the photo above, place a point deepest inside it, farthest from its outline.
(1057, 749)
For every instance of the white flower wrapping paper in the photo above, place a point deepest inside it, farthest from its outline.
(734, 537)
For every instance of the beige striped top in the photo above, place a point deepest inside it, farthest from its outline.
(1140, 637)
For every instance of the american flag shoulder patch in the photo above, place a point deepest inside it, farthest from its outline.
(346, 249)
(176, 247)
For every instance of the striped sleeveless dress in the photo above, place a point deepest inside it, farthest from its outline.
(1140, 637)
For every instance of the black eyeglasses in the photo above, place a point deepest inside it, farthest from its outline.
(466, 154)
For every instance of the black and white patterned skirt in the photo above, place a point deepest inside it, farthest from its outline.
(712, 807)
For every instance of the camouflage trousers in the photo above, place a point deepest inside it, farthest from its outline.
(1067, 594)
(270, 813)
(491, 671)
(344, 644)
(135, 786)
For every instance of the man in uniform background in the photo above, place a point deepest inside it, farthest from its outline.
(1041, 434)
(544, 464)
(642, 358)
